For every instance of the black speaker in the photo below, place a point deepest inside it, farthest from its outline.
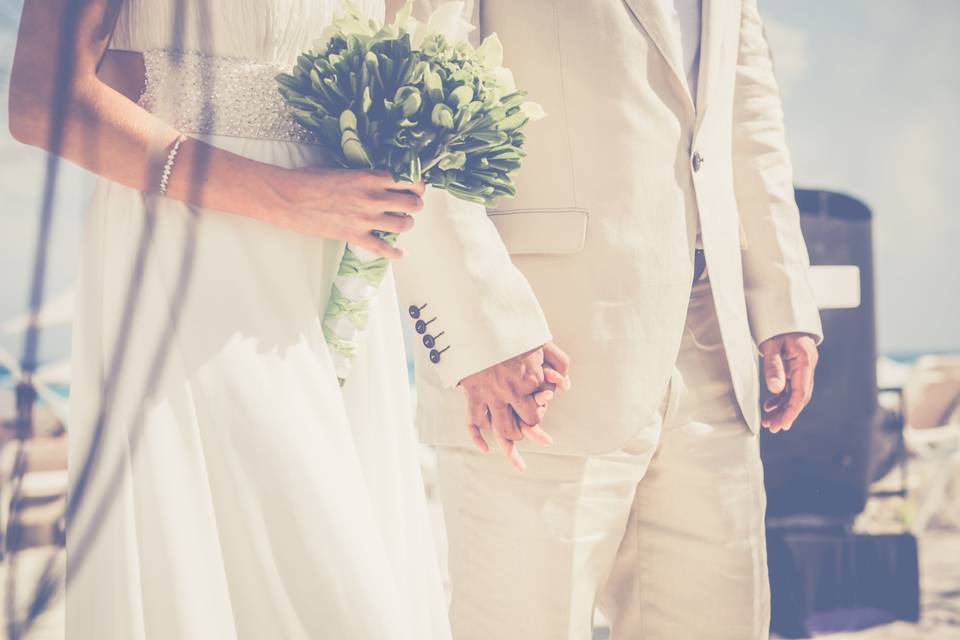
(828, 581)
(821, 466)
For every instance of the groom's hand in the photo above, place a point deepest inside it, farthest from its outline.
(510, 399)
(789, 361)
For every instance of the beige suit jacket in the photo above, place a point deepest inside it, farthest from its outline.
(601, 234)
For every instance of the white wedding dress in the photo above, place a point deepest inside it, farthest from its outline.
(237, 491)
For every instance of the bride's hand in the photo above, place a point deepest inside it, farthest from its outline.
(347, 204)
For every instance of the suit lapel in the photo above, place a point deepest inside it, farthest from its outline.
(652, 18)
(710, 41)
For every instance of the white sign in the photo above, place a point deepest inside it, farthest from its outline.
(836, 286)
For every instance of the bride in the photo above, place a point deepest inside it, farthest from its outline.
(222, 484)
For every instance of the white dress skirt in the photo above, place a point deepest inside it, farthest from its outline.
(235, 490)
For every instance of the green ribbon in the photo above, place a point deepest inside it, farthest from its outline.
(345, 348)
(373, 272)
(340, 306)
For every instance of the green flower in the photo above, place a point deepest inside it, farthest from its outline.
(415, 99)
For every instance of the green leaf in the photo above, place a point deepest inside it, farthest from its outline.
(354, 152)
(409, 100)
(460, 96)
(288, 81)
(456, 160)
(442, 116)
(490, 137)
(367, 100)
(433, 84)
(515, 121)
(348, 121)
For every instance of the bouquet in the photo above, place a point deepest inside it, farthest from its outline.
(418, 100)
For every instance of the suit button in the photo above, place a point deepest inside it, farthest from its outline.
(697, 161)
(435, 355)
(430, 341)
(414, 311)
(421, 325)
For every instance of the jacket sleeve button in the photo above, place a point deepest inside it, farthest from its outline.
(435, 355)
(414, 311)
(430, 341)
(421, 325)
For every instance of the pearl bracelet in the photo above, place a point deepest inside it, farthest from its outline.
(168, 167)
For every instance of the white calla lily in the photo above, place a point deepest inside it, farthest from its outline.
(505, 81)
(533, 110)
(490, 51)
(447, 20)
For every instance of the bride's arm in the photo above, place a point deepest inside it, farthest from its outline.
(392, 7)
(58, 103)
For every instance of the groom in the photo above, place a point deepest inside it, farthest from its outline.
(656, 235)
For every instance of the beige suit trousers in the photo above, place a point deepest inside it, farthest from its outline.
(664, 536)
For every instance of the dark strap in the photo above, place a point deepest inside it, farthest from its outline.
(699, 264)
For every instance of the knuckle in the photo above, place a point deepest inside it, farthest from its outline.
(389, 223)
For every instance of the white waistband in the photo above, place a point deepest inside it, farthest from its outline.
(201, 93)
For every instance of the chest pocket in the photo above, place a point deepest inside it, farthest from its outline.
(542, 231)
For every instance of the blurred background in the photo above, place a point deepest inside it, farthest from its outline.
(871, 92)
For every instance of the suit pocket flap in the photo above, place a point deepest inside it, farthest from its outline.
(542, 231)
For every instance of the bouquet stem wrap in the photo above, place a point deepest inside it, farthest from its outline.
(354, 288)
(415, 99)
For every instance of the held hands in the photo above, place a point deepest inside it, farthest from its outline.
(347, 204)
(789, 361)
(510, 399)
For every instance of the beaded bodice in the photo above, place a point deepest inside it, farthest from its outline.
(200, 93)
(210, 64)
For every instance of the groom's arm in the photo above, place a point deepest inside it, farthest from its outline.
(458, 263)
(462, 293)
(476, 314)
(783, 312)
(478, 322)
(775, 259)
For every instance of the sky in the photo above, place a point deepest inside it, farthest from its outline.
(871, 95)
